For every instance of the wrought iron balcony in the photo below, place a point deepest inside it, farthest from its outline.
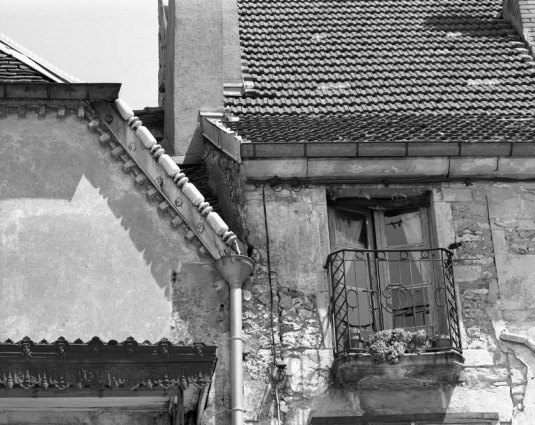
(374, 290)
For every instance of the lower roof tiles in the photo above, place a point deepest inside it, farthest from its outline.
(382, 127)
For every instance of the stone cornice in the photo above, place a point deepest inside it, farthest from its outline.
(55, 91)
(389, 170)
(384, 149)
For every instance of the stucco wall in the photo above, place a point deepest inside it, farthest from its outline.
(85, 253)
(197, 71)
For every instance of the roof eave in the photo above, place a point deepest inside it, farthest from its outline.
(53, 91)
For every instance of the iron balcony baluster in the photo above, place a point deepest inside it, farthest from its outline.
(374, 290)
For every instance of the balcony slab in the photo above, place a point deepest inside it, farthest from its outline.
(413, 370)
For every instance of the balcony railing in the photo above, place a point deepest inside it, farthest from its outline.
(374, 290)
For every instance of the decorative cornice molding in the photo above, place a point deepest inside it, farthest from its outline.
(120, 368)
(56, 91)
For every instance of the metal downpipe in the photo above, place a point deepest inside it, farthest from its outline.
(236, 355)
(235, 269)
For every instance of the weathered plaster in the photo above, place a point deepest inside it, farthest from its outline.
(72, 220)
(85, 252)
(485, 266)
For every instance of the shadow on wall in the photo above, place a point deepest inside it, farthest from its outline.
(51, 164)
(77, 233)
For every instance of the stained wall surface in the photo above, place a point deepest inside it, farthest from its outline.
(79, 243)
(286, 317)
(85, 253)
(85, 248)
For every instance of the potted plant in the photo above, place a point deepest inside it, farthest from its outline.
(390, 345)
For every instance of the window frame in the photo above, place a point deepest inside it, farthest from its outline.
(372, 209)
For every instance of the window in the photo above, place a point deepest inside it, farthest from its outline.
(386, 271)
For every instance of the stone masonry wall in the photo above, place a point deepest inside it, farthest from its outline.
(285, 320)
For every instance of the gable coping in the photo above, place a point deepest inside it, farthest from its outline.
(136, 145)
(12, 48)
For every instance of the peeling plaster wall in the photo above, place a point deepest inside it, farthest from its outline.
(493, 269)
(85, 253)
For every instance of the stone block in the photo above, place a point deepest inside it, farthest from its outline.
(308, 372)
(331, 149)
(382, 149)
(432, 149)
(490, 375)
(478, 357)
(279, 150)
(466, 273)
(485, 149)
(457, 195)
(520, 168)
(466, 166)
(491, 399)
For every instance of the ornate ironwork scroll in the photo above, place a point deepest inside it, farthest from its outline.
(118, 368)
(374, 290)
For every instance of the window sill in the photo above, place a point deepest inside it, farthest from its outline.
(413, 370)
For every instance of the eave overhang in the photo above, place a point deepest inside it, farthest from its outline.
(60, 91)
(95, 368)
(353, 162)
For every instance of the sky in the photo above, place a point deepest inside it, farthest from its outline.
(97, 41)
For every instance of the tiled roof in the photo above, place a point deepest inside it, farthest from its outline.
(403, 127)
(12, 69)
(18, 64)
(382, 69)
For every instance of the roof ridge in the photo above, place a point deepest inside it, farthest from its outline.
(11, 47)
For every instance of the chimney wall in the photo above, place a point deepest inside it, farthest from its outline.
(521, 14)
(203, 53)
